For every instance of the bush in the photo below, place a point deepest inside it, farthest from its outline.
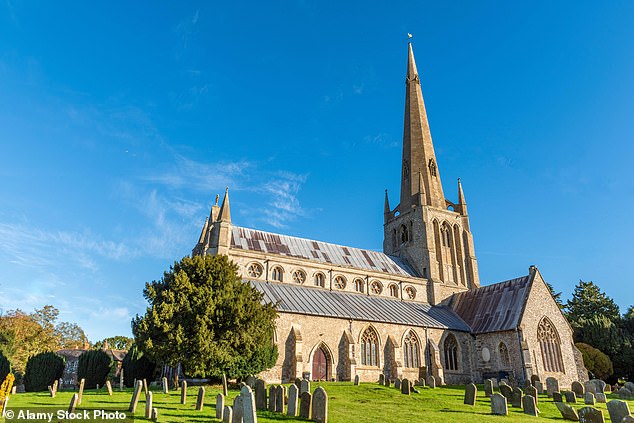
(597, 363)
(42, 370)
(94, 366)
(5, 366)
(136, 365)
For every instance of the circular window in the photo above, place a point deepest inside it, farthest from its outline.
(254, 270)
(411, 292)
(299, 276)
(376, 287)
(340, 282)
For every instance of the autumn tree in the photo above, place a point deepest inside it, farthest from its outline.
(115, 342)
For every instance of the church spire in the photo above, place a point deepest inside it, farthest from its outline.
(462, 203)
(225, 209)
(387, 212)
(418, 150)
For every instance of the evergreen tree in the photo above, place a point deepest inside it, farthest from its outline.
(5, 366)
(42, 370)
(94, 366)
(203, 316)
(597, 363)
(137, 365)
(556, 296)
(589, 301)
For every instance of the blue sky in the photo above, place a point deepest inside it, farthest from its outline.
(120, 122)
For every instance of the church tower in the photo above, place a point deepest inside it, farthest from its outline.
(428, 231)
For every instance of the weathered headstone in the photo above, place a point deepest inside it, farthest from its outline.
(55, 386)
(540, 387)
(567, 412)
(154, 414)
(406, 387)
(397, 383)
(624, 393)
(260, 394)
(381, 379)
(279, 400)
(601, 398)
(220, 405)
(535, 378)
(148, 405)
(238, 409)
(571, 397)
(121, 380)
(145, 389)
(320, 406)
(138, 387)
(251, 384)
(51, 391)
(200, 400)
(14, 390)
(552, 385)
(532, 391)
(431, 381)
(529, 404)
(248, 405)
(225, 390)
(618, 409)
(166, 388)
(591, 415)
(577, 388)
(82, 382)
(184, 392)
(507, 391)
(498, 405)
(588, 398)
(73, 403)
(629, 386)
(293, 396)
(470, 394)
(305, 386)
(272, 397)
(356, 380)
(516, 398)
(488, 387)
(305, 405)
(557, 397)
(227, 414)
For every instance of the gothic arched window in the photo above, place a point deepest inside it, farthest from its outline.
(278, 274)
(550, 346)
(320, 279)
(411, 350)
(358, 285)
(450, 348)
(394, 291)
(505, 358)
(370, 348)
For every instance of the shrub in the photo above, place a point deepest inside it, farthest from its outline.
(41, 370)
(5, 366)
(597, 363)
(94, 366)
(136, 365)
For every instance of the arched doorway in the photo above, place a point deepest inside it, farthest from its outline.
(321, 364)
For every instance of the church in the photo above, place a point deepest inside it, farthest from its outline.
(415, 310)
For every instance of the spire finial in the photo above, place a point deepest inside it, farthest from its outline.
(217, 198)
(225, 209)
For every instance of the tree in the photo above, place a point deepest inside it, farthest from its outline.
(589, 301)
(556, 296)
(5, 366)
(94, 366)
(42, 370)
(116, 343)
(70, 335)
(597, 363)
(137, 366)
(203, 316)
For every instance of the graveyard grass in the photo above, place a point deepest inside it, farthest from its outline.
(368, 402)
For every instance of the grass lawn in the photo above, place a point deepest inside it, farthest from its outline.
(367, 402)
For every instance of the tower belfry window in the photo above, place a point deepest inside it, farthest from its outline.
(432, 167)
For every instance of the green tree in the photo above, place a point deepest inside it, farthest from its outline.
(556, 296)
(116, 343)
(203, 316)
(42, 370)
(589, 301)
(137, 365)
(94, 366)
(22, 337)
(5, 366)
(70, 335)
(597, 363)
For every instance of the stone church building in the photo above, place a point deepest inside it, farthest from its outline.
(413, 310)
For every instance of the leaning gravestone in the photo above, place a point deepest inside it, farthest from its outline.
(238, 410)
(397, 383)
(567, 412)
(516, 399)
(488, 387)
(381, 379)
(431, 381)
(591, 415)
(305, 386)
(248, 405)
(405, 387)
(532, 391)
(227, 414)
(109, 388)
(293, 395)
(507, 391)
(571, 397)
(588, 398)
(305, 405)
(200, 400)
(260, 394)
(552, 385)
(224, 385)
(529, 405)
(279, 399)
(320, 406)
(73, 403)
(220, 405)
(577, 388)
(148, 405)
(82, 382)
(356, 380)
(145, 386)
(272, 397)
(183, 392)
(557, 397)
(618, 410)
(138, 386)
(498, 405)
(165, 386)
(540, 387)
(601, 398)
(51, 391)
(470, 393)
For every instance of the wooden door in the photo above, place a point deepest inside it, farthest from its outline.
(320, 365)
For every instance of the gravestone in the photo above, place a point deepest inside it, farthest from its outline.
(529, 404)
(166, 388)
(431, 381)
(557, 397)
(138, 387)
(567, 412)
(154, 414)
(588, 398)
(148, 405)
(591, 415)
(356, 380)
(577, 388)
(624, 393)
(406, 388)
(320, 406)
(238, 409)
(14, 390)
(279, 400)
(272, 397)
(55, 386)
(535, 378)
(507, 391)
(571, 397)
(381, 379)
(498, 405)
(51, 391)
(251, 384)
(224, 385)
(200, 400)
(227, 414)
(145, 386)
(516, 399)
(260, 394)
(540, 387)
(532, 391)
(305, 405)
(470, 394)
(305, 386)
(183, 392)
(387, 382)
(73, 403)
(488, 387)
(596, 386)
(109, 387)
(601, 398)
(293, 396)
(82, 382)
(248, 405)
(552, 385)
(397, 383)
(121, 381)
(220, 406)
(618, 409)
(629, 386)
